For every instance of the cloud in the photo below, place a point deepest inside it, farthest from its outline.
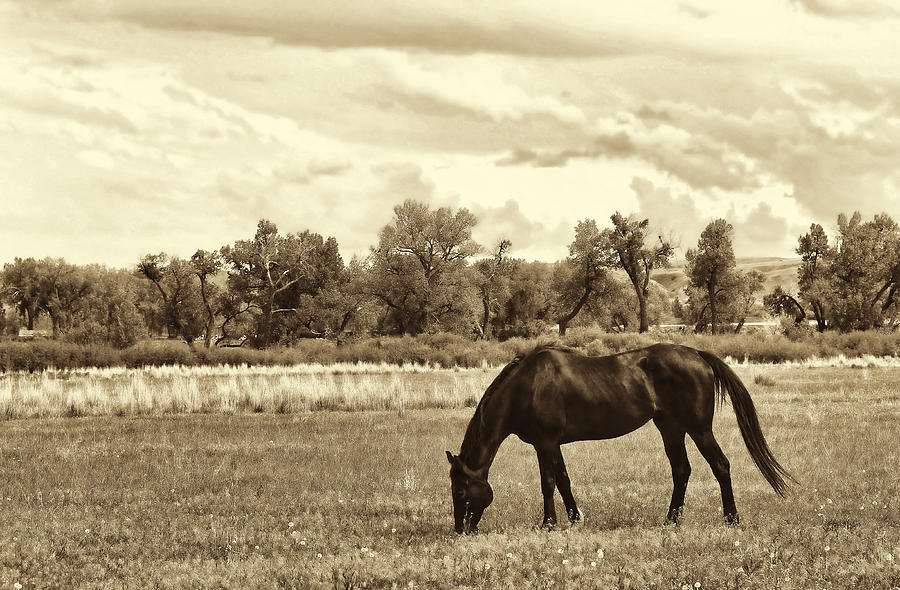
(439, 25)
(848, 8)
(762, 232)
(675, 215)
(476, 87)
(528, 237)
(699, 160)
(759, 229)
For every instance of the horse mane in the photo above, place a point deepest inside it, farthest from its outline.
(476, 424)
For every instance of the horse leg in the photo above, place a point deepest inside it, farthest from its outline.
(717, 460)
(565, 489)
(673, 440)
(547, 462)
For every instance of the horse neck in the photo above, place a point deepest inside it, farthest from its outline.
(479, 447)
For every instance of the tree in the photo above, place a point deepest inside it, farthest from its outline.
(259, 270)
(780, 302)
(22, 289)
(492, 281)
(741, 288)
(709, 264)
(528, 311)
(813, 275)
(316, 297)
(418, 269)
(584, 272)
(64, 289)
(865, 272)
(279, 282)
(174, 280)
(627, 243)
(205, 266)
(109, 314)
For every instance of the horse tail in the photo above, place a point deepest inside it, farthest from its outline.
(726, 380)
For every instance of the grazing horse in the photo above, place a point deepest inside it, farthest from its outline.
(552, 396)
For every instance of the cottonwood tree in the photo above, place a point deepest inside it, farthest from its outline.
(176, 283)
(109, 315)
(64, 290)
(627, 243)
(205, 266)
(418, 269)
(779, 302)
(708, 267)
(741, 289)
(260, 272)
(582, 275)
(814, 272)
(22, 288)
(317, 297)
(529, 309)
(865, 272)
(492, 278)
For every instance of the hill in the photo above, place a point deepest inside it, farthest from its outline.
(776, 271)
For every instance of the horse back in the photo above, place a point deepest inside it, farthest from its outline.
(567, 396)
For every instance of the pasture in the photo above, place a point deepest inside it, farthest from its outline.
(128, 480)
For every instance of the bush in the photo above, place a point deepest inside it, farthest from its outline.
(443, 350)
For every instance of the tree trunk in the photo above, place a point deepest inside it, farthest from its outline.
(819, 314)
(642, 313)
(713, 309)
(264, 335)
(564, 320)
(486, 319)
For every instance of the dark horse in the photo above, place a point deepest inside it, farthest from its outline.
(552, 396)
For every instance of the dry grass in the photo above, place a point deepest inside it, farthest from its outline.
(361, 499)
(230, 390)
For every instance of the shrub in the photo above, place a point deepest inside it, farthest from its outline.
(443, 350)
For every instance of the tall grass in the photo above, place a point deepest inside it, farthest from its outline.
(229, 390)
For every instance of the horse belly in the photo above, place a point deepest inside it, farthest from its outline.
(605, 418)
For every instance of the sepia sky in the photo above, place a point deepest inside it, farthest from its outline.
(135, 126)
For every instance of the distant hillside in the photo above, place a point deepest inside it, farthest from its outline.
(777, 271)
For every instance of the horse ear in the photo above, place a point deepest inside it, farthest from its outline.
(450, 457)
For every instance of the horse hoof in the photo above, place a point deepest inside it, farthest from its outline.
(574, 516)
(732, 519)
(548, 526)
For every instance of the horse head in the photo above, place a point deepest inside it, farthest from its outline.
(471, 495)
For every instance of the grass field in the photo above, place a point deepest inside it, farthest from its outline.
(325, 499)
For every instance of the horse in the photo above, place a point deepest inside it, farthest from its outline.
(554, 395)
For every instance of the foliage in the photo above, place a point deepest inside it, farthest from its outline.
(180, 299)
(584, 274)
(627, 243)
(865, 271)
(717, 290)
(813, 273)
(418, 271)
(22, 288)
(280, 283)
(492, 277)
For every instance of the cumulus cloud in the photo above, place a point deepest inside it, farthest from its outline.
(509, 222)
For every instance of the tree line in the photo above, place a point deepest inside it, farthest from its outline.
(426, 274)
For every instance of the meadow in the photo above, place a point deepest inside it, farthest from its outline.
(128, 491)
